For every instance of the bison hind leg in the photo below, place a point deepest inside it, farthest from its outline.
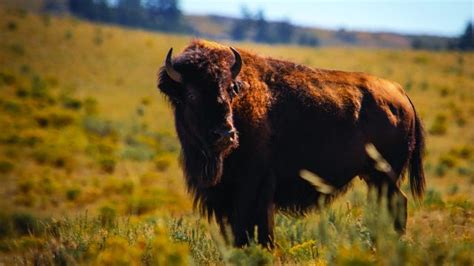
(386, 187)
(396, 202)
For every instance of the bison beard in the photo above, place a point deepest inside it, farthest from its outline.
(202, 168)
(288, 118)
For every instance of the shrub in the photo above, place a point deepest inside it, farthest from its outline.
(141, 204)
(25, 223)
(97, 126)
(439, 126)
(73, 193)
(25, 69)
(461, 121)
(18, 49)
(6, 167)
(11, 26)
(138, 152)
(433, 198)
(27, 199)
(107, 164)
(48, 185)
(453, 189)
(90, 106)
(22, 92)
(7, 78)
(39, 88)
(108, 216)
(102, 150)
(33, 243)
(114, 185)
(25, 186)
(304, 251)
(68, 35)
(465, 171)
(63, 160)
(33, 137)
(440, 170)
(448, 160)
(61, 120)
(105, 148)
(52, 81)
(408, 85)
(464, 152)
(251, 255)
(165, 252)
(42, 120)
(149, 178)
(117, 251)
(444, 91)
(146, 101)
(42, 155)
(204, 249)
(162, 163)
(54, 156)
(56, 120)
(353, 256)
(6, 226)
(71, 103)
(12, 107)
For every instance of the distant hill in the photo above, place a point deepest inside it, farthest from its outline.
(219, 27)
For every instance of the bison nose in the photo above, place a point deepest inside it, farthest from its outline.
(224, 134)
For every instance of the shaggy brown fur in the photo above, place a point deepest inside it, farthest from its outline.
(287, 117)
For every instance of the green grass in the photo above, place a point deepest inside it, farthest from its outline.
(88, 157)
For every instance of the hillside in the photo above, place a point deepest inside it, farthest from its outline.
(220, 27)
(88, 156)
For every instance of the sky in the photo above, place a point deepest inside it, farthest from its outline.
(434, 17)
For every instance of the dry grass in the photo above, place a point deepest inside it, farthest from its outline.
(88, 156)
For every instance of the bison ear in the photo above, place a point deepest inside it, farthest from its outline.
(169, 87)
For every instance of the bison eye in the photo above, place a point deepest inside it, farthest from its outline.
(191, 96)
(234, 89)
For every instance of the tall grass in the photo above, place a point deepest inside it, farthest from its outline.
(88, 157)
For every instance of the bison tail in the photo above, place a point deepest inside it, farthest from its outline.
(417, 174)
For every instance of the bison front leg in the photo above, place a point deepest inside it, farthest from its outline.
(265, 212)
(254, 208)
(265, 225)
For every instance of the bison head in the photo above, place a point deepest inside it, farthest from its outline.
(201, 86)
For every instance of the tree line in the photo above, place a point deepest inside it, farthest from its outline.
(465, 42)
(255, 27)
(162, 15)
(165, 15)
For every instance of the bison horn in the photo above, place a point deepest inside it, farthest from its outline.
(172, 73)
(235, 69)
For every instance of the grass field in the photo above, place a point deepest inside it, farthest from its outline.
(88, 157)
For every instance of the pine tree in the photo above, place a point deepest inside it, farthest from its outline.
(466, 41)
(130, 12)
(262, 28)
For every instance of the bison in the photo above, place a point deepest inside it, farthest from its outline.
(249, 124)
